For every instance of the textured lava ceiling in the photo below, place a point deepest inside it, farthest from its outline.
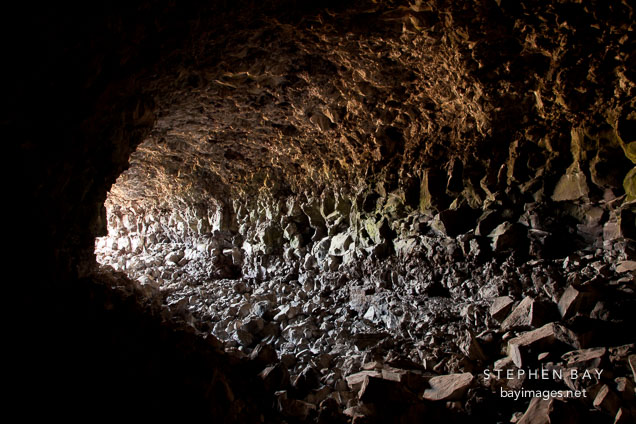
(379, 91)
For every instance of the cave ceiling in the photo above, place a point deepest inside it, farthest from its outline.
(377, 91)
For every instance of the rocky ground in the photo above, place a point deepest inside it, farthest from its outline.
(342, 332)
(369, 204)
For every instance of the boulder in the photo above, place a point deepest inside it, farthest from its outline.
(500, 307)
(453, 222)
(606, 400)
(525, 347)
(528, 313)
(339, 244)
(553, 410)
(378, 390)
(588, 358)
(575, 300)
(571, 186)
(508, 236)
(448, 387)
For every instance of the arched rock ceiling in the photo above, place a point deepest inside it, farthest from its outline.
(377, 90)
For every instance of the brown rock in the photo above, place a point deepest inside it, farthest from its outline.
(412, 380)
(500, 307)
(354, 381)
(275, 377)
(574, 300)
(371, 365)
(317, 396)
(378, 390)
(526, 346)
(520, 316)
(624, 416)
(361, 411)
(541, 411)
(611, 231)
(508, 236)
(515, 382)
(487, 222)
(432, 194)
(590, 358)
(448, 387)
(528, 313)
(264, 354)
(625, 387)
(472, 348)
(606, 400)
(307, 380)
(626, 266)
(632, 364)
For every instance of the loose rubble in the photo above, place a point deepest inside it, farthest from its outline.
(333, 331)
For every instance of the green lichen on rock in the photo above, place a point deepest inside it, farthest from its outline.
(629, 184)
(630, 151)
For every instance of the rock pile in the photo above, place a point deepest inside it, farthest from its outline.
(403, 319)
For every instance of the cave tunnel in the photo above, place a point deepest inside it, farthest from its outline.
(322, 212)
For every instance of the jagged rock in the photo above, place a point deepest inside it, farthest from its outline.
(307, 380)
(524, 348)
(262, 308)
(589, 358)
(448, 387)
(264, 354)
(626, 266)
(571, 186)
(542, 411)
(364, 340)
(363, 411)
(528, 313)
(317, 396)
(472, 348)
(487, 222)
(623, 416)
(575, 300)
(453, 222)
(354, 381)
(275, 377)
(500, 307)
(253, 325)
(378, 390)
(244, 338)
(508, 236)
(606, 400)
(414, 381)
(175, 257)
(329, 412)
(273, 142)
(629, 184)
(625, 388)
(339, 244)
(432, 194)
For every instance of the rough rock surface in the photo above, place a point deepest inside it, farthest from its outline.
(326, 207)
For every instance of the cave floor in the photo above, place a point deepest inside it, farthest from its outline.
(408, 315)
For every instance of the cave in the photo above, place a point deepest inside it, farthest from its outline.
(322, 212)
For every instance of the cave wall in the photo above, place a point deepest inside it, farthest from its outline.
(459, 116)
(387, 122)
